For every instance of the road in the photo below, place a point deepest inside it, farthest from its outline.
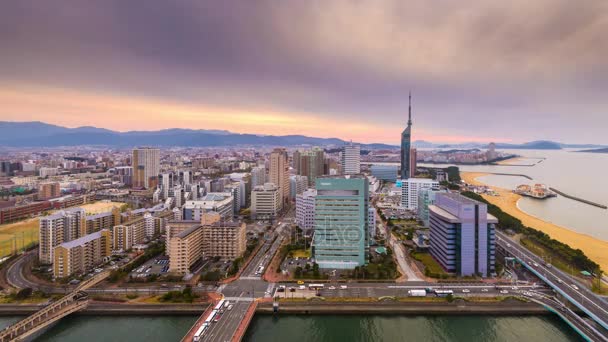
(224, 328)
(398, 249)
(563, 283)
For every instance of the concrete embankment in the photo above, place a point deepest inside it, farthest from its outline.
(113, 309)
(509, 307)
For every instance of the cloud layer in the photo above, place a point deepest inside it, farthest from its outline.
(515, 70)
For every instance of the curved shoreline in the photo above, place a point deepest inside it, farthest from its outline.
(594, 248)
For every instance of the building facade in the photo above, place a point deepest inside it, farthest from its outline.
(411, 187)
(299, 184)
(185, 249)
(220, 202)
(351, 159)
(265, 202)
(146, 167)
(341, 239)
(224, 239)
(130, 233)
(279, 172)
(62, 226)
(406, 145)
(305, 210)
(462, 235)
(387, 173)
(81, 255)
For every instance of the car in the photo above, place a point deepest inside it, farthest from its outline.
(343, 287)
(509, 245)
(560, 281)
(292, 289)
(230, 307)
(302, 287)
(574, 287)
(466, 291)
(332, 287)
(300, 282)
(514, 288)
(484, 290)
(535, 264)
(217, 318)
(548, 265)
(504, 291)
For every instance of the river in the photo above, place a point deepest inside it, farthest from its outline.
(350, 328)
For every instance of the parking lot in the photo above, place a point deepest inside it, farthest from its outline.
(157, 266)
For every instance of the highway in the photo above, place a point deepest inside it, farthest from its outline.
(563, 283)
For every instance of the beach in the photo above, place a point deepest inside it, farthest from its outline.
(595, 249)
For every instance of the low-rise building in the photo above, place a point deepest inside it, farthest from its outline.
(220, 202)
(265, 202)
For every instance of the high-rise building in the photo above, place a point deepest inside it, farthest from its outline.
(5, 168)
(48, 190)
(312, 164)
(296, 157)
(413, 162)
(279, 172)
(146, 167)
(97, 222)
(305, 210)
(58, 228)
(258, 176)
(462, 235)
(411, 187)
(174, 228)
(406, 146)
(341, 237)
(351, 159)
(166, 184)
(371, 222)
(299, 184)
(81, 255)
(265, 202)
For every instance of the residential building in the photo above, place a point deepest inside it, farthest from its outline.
(174, 228)
(406, 146)
(265, 202)
(185, 249)
(386, 173)
(12, 212)
(413, 162)
(371, 223)
(55, 229)
(351, 159)
(312, 164)
(97, 222)
(146, 167)
(48, 190)
(410, 188)
(341, 222)
(305, 210)
(278, 173)
(462, 235)
(48, 172)
(81, 255)
(130, 233)
(224, 239)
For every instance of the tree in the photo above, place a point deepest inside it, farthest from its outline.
(24, 293)
(298, 272)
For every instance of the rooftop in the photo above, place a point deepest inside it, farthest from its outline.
(82, 240)
(188, 231)
(460, 198)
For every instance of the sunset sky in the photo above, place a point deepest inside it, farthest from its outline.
(515, 70)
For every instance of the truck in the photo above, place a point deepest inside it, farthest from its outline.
(416, 293)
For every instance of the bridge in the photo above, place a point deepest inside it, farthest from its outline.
(72, 302)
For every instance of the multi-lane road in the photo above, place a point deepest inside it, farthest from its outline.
(561, 282)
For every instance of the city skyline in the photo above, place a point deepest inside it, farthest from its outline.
(257, 69)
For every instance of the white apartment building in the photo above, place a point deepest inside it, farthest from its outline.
(265, 202)
(58, 228)
(410, 188)
(258, 176)
(351, 159)
(305, 209)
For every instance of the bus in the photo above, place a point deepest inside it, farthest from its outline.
(443, 293)
(316, 286)
(219, 305)
(199, 333)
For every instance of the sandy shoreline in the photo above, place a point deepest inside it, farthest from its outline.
(596, 250)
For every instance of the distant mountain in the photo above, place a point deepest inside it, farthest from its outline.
(533, 145)
(34, 134)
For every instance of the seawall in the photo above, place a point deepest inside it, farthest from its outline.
(578, 199)
(509, 307)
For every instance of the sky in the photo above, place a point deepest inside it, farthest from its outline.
(483, 71)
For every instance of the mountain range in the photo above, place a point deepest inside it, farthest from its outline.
(36, 134)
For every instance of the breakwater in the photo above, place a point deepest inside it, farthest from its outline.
(113, 309)
(578, 199)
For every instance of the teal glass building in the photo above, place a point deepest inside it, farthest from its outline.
(341, 238)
